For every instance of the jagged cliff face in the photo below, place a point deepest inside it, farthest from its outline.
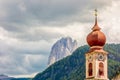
(61, 49)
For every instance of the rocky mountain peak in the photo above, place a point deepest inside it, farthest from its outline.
(62, 48)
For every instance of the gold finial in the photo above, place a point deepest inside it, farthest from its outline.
(96, 27)
(96, 12)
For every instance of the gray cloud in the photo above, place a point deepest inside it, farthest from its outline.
(37, 35)
(20, 14)
(22, 64)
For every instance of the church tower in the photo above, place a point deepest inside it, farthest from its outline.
(96, 58)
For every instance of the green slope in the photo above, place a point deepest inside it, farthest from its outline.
(73, 66)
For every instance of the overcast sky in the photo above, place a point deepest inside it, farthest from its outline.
(29, 28)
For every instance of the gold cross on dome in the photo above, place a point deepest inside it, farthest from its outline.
(95, 12)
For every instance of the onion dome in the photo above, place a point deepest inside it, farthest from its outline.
(96, 37)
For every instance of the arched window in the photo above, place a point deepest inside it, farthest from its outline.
(101, 69)
(90, 71)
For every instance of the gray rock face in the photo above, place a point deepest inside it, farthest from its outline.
(61, 49)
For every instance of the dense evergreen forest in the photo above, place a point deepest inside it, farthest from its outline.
(73, 66)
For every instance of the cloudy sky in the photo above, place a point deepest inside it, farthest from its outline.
(29, 28)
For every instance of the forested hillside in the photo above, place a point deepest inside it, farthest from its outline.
(73, 66)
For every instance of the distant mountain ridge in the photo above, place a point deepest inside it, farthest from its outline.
(62, 48)
(73, 66)
(5, 77)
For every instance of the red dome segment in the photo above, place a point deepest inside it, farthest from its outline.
(96, 38)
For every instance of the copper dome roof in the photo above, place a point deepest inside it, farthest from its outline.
(96, 37)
